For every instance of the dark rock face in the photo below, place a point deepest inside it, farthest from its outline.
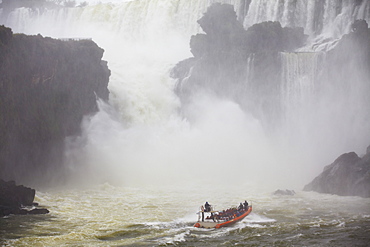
(348, 175)
(224, 33)
(349, 61)
(14, 198)
(222, 56)
(47, 86)
(270, 36)
(222, 29)
(12, 195)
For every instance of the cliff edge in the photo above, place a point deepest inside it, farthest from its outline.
(46, 87)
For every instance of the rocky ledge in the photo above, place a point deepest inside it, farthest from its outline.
(18, 199)
(348, 175)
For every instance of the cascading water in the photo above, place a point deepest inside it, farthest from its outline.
(330, 18)
(220, 153)
(299, 78)
(310, 112)
(300, 88)
(142, 42)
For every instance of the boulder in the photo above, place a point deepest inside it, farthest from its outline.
(348, 175)
(14, 199)
(13, 195)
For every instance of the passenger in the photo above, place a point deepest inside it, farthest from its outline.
(202, 210)
(245, 205)
(241, 206)
(207, 207)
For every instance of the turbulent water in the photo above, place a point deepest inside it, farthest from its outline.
(163, 216)
(155, 168)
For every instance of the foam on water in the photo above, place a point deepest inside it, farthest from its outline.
(108, 215)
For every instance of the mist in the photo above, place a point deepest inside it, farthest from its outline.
(144, 136)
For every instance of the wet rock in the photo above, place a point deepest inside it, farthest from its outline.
(38, 211)
(13, 195)
(47, 87)
(271, 36)
(14, 199)
(224, 53)
(225, 34)
(359, 26)
(348, 175)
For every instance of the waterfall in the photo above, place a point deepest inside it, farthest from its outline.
(321, 111)
(309, 102)
(329, 18)
(299, 78)
(140, 137)
(133, 19)
(145, 35)
(299, 89)
(250, 68)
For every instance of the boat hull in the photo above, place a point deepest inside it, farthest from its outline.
(208, 225)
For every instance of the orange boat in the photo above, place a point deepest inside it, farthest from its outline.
(216, 219)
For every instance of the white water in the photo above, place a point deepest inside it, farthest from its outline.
(141, 138)
(106, 215)
(336, 18)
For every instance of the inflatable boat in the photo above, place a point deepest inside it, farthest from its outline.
(218, 219)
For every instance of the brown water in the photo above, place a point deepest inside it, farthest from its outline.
(114, 216)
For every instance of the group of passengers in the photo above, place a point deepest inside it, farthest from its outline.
(227, 214)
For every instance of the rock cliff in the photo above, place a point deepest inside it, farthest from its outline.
(222, 56)
(14, 199)
(348, 175)
(348, 63)
(47, 86)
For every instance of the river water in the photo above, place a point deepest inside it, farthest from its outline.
(107, 215)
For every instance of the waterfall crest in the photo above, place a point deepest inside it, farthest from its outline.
(330, 18)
